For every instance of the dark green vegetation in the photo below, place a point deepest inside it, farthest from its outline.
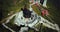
(54, 10)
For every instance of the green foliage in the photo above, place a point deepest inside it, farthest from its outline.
(12, 5)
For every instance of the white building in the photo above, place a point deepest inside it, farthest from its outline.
(38, 1)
